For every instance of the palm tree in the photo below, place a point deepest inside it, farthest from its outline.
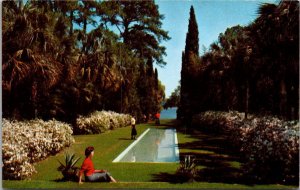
(282, 49)
(51, 70)
(29, 67)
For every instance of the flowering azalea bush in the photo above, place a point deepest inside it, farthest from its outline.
(26, 142)
(271, 149)
(101, 121)
(270, 146)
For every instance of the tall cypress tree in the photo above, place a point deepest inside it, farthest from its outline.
(192, 39)
(149, 102)
(150, 67)
(188, 69)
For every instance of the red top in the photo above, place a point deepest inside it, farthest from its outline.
(157, 115)
(87, 167)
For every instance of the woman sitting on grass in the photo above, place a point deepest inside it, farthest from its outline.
(89, 171)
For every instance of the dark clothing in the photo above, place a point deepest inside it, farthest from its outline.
(133, 131)
(157, 121)
(157, 116)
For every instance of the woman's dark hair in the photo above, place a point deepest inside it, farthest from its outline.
(88, 150)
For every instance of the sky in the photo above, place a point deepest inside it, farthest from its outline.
(213, 17)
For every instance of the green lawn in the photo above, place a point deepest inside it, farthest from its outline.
(219, 164)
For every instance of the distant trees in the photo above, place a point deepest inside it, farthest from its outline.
(250, 69)
(53, 69)
(173, 100)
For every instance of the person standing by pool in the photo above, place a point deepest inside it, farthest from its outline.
(133, 129)
(157, 116)
(92, 175)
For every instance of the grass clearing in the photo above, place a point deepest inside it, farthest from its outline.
(217, 161)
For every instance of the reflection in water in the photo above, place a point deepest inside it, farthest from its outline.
(133, 159)
(157, 145)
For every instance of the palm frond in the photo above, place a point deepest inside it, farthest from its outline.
(60, 162)
(266, 9)
(71, 158)
(16, 71)
(67, 156)
(69, 162)
(74, 162)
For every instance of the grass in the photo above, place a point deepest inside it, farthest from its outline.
(219, 163)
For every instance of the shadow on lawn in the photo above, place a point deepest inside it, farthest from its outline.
(218, 159)
(125, 139)
(170, 123)
(63, 180)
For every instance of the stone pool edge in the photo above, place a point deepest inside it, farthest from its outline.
(176, 144)
(130, 146)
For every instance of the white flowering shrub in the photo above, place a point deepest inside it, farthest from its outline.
(26, 142)
(271, 149)
(101, 121)
(270, 146)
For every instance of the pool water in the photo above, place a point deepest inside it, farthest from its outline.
(154, 145)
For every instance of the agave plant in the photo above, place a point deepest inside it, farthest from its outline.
(187, 170)
(69, 170)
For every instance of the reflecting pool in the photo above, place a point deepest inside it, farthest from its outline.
(154, 145)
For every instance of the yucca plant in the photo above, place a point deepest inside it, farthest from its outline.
(187, 170)
(69, 170)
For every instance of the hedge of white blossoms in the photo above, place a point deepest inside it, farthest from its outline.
(26, 142)
(101, 121)
(270, 145)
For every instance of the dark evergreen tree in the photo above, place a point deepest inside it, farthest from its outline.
(151, 95)
(156, 79)
(141, 85)
(192, 39)
(189, 69)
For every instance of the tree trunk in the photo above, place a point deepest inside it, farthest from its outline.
(283, 99)
(126, 31)
(71, 22)
(84, 39)
(20, 5)
(247, 100)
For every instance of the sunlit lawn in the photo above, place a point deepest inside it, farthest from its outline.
(219, 166)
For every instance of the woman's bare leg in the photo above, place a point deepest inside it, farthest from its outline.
(112, 179)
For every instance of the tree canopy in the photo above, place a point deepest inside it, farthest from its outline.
(54, 66)
(254, 68)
